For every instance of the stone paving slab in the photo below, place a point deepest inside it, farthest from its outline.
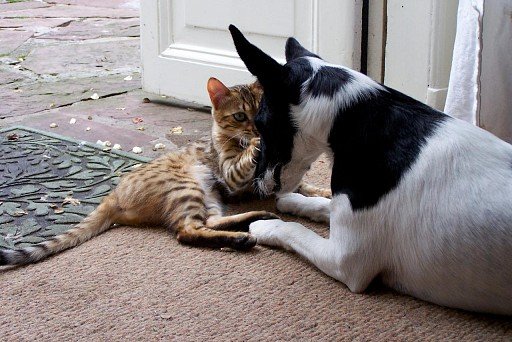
(7, 77)
(33, 24)
(98, 131)
(65, 11)
(10, 40)
(95, 28)
(86, 58)
(22, 5)
(23, 99)
(157, 118)
(99, 3)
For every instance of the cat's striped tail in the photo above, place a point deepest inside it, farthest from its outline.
(100, 220)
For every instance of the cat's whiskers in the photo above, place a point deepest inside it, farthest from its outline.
(231, 138)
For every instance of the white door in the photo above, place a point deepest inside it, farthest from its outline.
(419, 48)
(184, 42)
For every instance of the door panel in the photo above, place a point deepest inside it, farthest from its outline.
(184, 42)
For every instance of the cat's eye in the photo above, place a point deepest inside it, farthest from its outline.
(240, 116)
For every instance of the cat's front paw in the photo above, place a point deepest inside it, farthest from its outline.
(254, 149)
(266, 232)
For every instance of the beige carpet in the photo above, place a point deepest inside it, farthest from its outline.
(138, 284)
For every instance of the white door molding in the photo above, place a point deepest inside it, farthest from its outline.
(184, 42)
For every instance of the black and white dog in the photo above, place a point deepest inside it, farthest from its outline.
(420, 199)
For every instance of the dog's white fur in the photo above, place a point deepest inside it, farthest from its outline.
(444, 234)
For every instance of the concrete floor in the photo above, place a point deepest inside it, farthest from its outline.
(57, 56)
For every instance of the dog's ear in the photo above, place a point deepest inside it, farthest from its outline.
(294, 50)
(268, 71)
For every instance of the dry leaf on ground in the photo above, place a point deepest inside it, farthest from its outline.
(177, 130)
(71, 200)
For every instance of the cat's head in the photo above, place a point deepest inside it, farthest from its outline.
(234, 109)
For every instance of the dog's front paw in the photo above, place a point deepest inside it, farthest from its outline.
(266, 232)
(315, 208)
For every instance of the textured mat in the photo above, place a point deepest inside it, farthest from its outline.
(49, 182)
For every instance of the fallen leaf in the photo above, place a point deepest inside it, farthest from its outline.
(128, 78)
(95, 96)
(137, 120)
(53, 205)
(58, 210)
(177, 130)
(166, 316)
(13, 137)
(19, 213)
(71, 200)
(141, 128)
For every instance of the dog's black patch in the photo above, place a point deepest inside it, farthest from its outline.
(328, 81)
(298, 72)
(375, 142)
(277, 133)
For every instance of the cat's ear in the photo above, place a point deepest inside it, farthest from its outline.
(294, 50)
(256, 88)
(268, 71)
(217, 91)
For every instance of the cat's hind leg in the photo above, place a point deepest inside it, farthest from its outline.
(189, 221)
(309, 190)
(238, 223)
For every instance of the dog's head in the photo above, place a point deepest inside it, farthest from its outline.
(283, 158)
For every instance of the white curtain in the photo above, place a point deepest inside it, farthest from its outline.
(480, 89)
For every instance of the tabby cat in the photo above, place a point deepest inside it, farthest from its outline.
(182, 190)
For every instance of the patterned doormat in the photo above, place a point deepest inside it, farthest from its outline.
(48, 183)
